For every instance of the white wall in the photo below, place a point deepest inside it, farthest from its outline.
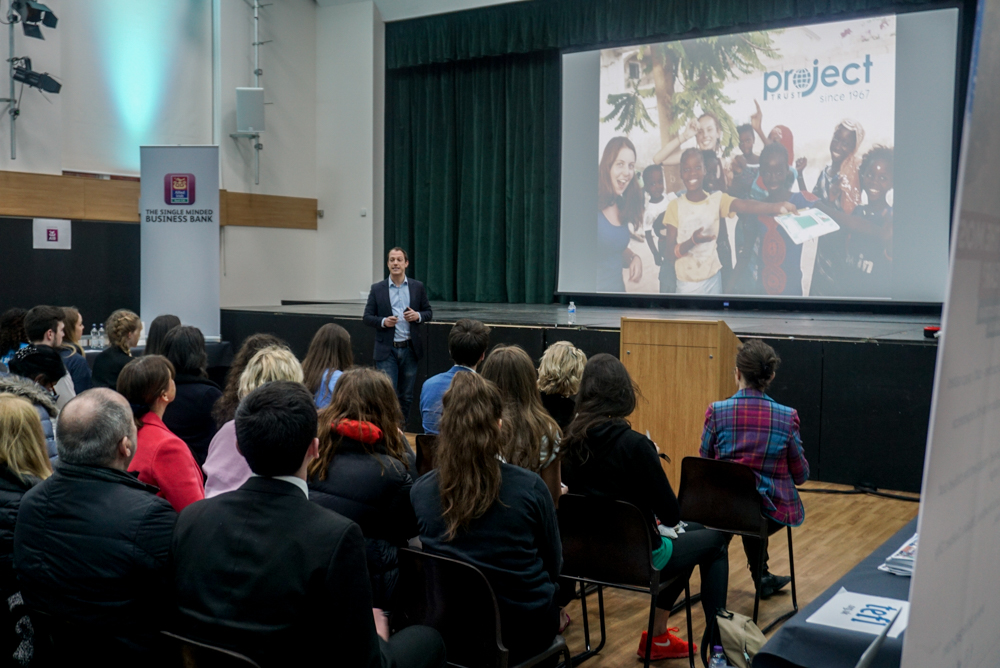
(265, 265)
(350, 81)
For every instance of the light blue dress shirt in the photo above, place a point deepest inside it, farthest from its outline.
(399, 298)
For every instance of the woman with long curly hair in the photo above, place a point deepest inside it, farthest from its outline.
(498, 517)
(363, 471)
(530, 435)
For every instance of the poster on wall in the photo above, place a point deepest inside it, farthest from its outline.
(729, 133)
(179, 238)
(51, 234)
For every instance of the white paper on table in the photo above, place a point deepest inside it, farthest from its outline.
(862, 612)
(806, 225)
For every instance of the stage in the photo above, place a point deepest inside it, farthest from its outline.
(861, 382)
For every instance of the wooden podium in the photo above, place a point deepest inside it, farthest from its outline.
(680, 366)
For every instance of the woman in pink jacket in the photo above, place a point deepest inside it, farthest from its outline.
(161, 459)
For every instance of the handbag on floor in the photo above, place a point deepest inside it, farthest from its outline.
(738, 635)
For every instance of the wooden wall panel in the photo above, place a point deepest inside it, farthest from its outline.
(24, 195)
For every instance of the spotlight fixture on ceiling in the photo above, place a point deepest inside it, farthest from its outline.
(32, 14)
(40, 80)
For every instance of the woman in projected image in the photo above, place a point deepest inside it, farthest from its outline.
(866, 233)
(619, 203)
(839, 186)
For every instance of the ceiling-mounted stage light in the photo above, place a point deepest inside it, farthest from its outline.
(31, 14)
(39, 80)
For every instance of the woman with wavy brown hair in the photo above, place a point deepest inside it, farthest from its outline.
(363, 471)
(498, 517)
(530, 435)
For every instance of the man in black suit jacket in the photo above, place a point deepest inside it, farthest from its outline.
(263, 571)
(396, 308)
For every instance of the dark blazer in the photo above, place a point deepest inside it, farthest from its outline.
(264, 571)
(379, 307)
(189, 415)
(91, 547)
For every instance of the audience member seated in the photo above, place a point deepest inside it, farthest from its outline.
(45, 328)
(605, 457)
(158, 331)
(559, 375)
(266, 573)
(364, 472)
(190, 414)
(12, 336)
(753, 429)
(34, 374)
(328, 357)
(530, 435)
(496, 516)
(225, 467)
(72, 352)
(161, 459)
(123, 329)
(467, 344)
(225, 408)
(91, 542)
(23, 464)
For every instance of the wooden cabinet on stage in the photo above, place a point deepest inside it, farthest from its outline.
(680, 366)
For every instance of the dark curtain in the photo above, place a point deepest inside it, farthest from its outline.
(473, 115)
(472, 165)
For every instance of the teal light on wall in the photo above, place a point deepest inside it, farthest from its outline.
(140, 47)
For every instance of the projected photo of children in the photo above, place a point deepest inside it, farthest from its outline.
(750, 164)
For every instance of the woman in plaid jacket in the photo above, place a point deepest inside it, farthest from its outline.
(752, 428)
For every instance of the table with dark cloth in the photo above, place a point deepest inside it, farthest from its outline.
(798, 643)
(220, 358)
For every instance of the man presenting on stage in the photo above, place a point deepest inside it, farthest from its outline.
(396, 308)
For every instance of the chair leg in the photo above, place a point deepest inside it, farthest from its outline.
(791, 569)
(760, 571)
(652, 618)
(687, 608)
(589, 652)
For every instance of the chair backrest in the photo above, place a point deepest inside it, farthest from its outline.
(605, 540)
(456, 599)
(57, 641)
(196, 654)
(426, 453)
(721, 495)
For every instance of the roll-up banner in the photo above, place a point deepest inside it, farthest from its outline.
(179, 215)
(955, 592)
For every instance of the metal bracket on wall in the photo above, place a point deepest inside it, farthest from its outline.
(257, 148)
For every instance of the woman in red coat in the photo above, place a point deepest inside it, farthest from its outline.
(161, 458)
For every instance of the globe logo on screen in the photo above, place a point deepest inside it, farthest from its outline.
(802, 78)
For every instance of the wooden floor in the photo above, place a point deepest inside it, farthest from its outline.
(839, 531)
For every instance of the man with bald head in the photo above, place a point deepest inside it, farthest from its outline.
(91, 542)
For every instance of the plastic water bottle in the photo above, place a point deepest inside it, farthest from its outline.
(93, 335)
(101, 338)
(718, 659)
(572, 314)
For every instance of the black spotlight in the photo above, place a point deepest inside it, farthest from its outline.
(32, 13)
(39, 80)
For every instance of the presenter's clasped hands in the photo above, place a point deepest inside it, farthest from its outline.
(409, 315)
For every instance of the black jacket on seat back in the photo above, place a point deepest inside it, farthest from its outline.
(90, 548)
(12, 489)
(373, 491)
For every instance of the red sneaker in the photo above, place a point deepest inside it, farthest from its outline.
(666, 646)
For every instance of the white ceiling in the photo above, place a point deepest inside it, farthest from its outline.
(398, 10)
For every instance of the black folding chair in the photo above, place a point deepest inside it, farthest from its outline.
(426, 453)
(723, 496)
(196, 654)
(608, 543)
(456, 599)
